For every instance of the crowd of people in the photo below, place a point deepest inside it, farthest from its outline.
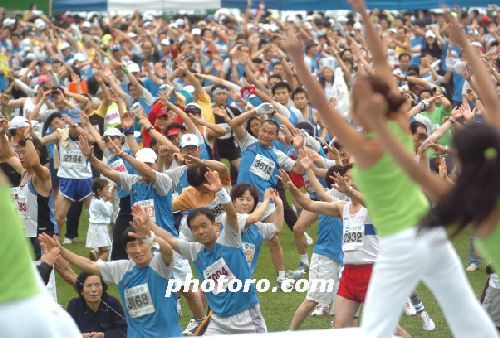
(182, 135)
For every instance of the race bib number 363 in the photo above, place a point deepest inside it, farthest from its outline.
(262, 167)
(138, 301)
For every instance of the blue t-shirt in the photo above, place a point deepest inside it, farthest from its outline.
(329, 242)
(261, 164)
(155, 198)
(142, 290)
(224, 258)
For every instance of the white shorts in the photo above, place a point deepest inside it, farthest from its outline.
(98, 236)
(270, 209)
(181, 268)
(323, 275)
(248, 321)
(40, 317)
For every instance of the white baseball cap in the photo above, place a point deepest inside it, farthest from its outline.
(112, 132)
(133, 68)
(196, 31)
(18, 122)
(165, 42)
(189, 140)
(64, 46)
(146, 155)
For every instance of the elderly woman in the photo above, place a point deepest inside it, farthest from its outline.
(97, 314)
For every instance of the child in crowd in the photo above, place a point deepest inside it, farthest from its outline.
(100, 211)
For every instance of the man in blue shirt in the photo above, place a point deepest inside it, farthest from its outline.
(142, 281)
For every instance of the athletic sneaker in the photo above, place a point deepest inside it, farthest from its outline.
(68, 240)
(471, 268)
(321, 310)
(427, 322)
(192, 327)
(410, 309)
(309, 239)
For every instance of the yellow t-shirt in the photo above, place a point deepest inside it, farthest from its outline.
(206, 107)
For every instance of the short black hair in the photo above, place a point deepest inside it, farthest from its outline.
(281, 84)
(199, 212)
(414, 126)
(126, 238)
(338, 169)
(82, 277)
(239, 189)
(403, 55)
(196, 175)
(297, 91)
(269, 121)
(36, 142)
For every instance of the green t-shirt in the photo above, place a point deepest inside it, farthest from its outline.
(394, 201)
(437, 118)
(18, 276)
(490, 247)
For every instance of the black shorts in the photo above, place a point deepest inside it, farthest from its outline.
(230, 153)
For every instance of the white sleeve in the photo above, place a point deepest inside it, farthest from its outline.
(148, 97)
(242, 220)
(246, 141)
(228, 236)
(312, 143)
(112, 272)
(284, 161)
(283, 110)
(267, 230)
(189, 250)
(175, 174)
(128, 180)
(160, 267)
(163, 183)
(327, 163)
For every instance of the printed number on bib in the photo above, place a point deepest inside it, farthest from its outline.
(215, 271)
(249, 251)
(353, 237)
(21, 201)
(262, 167)
(138, 301)
(119, 166)
(216, 208)
(73, 159)
(149, 208)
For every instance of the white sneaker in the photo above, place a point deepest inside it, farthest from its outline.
(427, 322)
(309, 239)
(191, 327)
(321, 310)
(471, 268)
(68, 240)
(410, 309)
(179, 308)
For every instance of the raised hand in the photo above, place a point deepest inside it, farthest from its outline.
(84, 118)
(286, 180)
(454, 30)
(264, 108)
(275, 197)
(267, 194)
(49, 242)
(50, 256)
(83, 143)
(293, 45)
(213, 181)
(4, 125)
(443, 168)
(298, 138)
(304, 160)
(358, 5)
(371, 105)
(141, 222)
(191, 160)
(340, 183)
(127, 121)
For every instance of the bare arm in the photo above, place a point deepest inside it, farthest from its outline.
(98, 165)
(237, 124)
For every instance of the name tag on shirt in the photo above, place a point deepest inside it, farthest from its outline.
(149, 208)
(354, 236)
(216, 270)
(73, 158)
(262, 167)
(118, 165)
(139, 302)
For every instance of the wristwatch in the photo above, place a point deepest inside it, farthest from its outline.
(150, 128)
(29, 138)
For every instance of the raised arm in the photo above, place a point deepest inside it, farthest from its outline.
(142, 168)
(98, 165)
(259, 211)
(349, 137)
(238, 123)
(307, 163)
(214, 185)
(374, 105)
(331, 209)
(484, 85)
(81, 262)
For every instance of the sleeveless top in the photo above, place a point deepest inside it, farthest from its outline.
(395, 202)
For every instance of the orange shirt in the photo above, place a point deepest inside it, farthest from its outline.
(192, 198)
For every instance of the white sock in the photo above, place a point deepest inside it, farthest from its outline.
(304, 259)
(281, 274)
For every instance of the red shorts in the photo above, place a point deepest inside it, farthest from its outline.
(354, 282)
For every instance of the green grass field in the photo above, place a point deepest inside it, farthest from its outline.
(278, 308)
